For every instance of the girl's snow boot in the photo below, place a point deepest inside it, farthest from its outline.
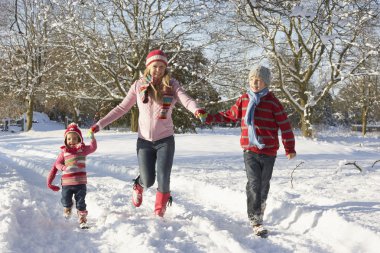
(82, 215)
(161, 200)
(67, 212)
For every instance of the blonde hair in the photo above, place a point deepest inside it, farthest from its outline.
(163, 88)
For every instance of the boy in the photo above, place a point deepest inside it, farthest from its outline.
(261, 115)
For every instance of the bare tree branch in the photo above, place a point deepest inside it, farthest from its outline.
(291, 175)
(16, 19)
(375, 163)
(355, 164)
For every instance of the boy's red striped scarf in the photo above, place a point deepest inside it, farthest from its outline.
(167, 96)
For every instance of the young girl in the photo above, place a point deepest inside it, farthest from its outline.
(155, 93)
(72, 162)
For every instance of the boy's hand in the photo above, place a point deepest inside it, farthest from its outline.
(291, 155)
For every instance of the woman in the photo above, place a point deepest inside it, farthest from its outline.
(155, 94)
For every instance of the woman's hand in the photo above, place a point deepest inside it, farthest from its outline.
(95, 128)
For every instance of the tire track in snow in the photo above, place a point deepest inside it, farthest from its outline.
(35, 213)
(109, 210)
(288, 221)
(205, 203)
(212, 206)
(48, 209)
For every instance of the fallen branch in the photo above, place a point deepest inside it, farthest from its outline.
(357, 166)
(291, 175)
(375, 163)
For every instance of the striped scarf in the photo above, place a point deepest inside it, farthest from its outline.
(254, 100)
(167, 96)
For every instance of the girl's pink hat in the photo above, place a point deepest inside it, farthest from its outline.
(156, 55)
(73, 128)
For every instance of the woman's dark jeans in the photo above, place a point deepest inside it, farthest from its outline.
(156, 156)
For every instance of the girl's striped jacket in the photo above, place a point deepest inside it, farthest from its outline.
(270, 116)
(73, 163)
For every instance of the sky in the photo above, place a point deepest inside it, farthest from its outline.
(316, 203)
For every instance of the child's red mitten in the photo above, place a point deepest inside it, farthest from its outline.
(50, 179)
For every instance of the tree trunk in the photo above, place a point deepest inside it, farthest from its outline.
(364, 120)
(306, 127)
(29, 113)
(134, 119)
(75, 118)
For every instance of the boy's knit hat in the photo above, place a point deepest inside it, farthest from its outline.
(73, 128)
(156, 55)
(261, 72)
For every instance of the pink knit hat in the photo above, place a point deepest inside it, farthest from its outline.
(73, 128)
(156, 55)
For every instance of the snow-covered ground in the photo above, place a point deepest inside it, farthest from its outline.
(332, 207)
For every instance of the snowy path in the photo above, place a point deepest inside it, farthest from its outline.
(331, 208)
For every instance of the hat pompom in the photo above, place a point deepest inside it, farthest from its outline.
(73, 124)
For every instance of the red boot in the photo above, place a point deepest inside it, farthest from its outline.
(137, 194)
(161, 201)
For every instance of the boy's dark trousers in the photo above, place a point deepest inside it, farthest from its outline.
(259, 168)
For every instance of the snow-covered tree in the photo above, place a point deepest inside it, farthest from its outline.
(312, 44)
(26, 52)
(359, 100)
(112, 38)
